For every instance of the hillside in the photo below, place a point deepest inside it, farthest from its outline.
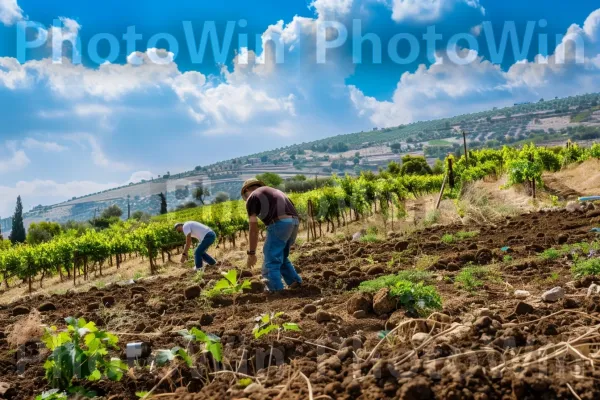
(553, 121)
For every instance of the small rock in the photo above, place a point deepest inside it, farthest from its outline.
(47, 307)
(253, 388)
(375, 270)
(550, 330)
(573, 206)
(419, 338)
(382, 303)
(108, 301)
(93, 306)
(20, 310)
(483, 323)
(593, 289)
(356, 237)
(360, 314)
(523, 308)
(359, 302)
(206, 319)
(323, 316)
(192, 292)
(309, 309)
(553, 295)
(522, 294)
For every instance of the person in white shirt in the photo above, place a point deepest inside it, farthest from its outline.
(205, 236)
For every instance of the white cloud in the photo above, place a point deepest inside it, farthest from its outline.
(139, 176)
(427, 10)
(445, 89)
(31, 143)
(10, 12)
(331, 8)
(47, 191)
(476, 30)
(16, 162)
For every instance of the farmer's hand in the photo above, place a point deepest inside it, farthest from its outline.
(251, 261)
(184, 258)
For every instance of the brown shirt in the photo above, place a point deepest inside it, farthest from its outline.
(270, 205)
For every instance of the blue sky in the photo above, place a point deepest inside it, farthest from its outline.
(69, 129)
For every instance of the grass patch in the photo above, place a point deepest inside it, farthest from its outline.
(582, 116)
(458, 236)
(426, 261)
(553, 277)
(550, 254)
(370, 238)
(507, 259)
(589, 267)
(431, 218)
(414, 276)
(474, 277)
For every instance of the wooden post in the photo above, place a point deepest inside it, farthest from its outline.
(450, 173)
(465, 144)
(439, 200)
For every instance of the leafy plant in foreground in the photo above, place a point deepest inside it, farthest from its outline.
(212, 343)
(267, 323)
(164, 357)
(80, 352)
(54, 394)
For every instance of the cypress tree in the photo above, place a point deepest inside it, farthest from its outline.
(163, 203)
(18, 234)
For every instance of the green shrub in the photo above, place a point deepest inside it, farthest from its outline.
(462, 235)
(370, 238)
(448, 238)
(416, 296)
(586, 268)
(473, 277)
(550, 254)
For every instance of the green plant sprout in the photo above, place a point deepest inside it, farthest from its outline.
(268, 323)
(230, 284)
(164, 357)
(54, 394)
(80, 352)
(212, 343)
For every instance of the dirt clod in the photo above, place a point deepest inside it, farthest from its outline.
(47, 307)
(108, 301)
(375, 270)
(382, 303)
(192, 292)
(323, 316)
(309, 309)
(524, 308)
(360, 302)
(20, 310)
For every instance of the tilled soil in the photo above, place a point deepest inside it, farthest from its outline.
(484, 344)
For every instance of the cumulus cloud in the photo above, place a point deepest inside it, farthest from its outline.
(31, 143)
(331, 8)
(445, 88)
(48, 191)
(17, 161)
(10, 12)
(429, 10)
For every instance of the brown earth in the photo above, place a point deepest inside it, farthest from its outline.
(484, 344)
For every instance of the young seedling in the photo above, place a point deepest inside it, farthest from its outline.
(230, 285)
(54, 394)
(268, 323)
(212, 343)
(80, 352)
(164, 357)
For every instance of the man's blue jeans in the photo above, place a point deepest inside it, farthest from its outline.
(281, 235)
(200, 253)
